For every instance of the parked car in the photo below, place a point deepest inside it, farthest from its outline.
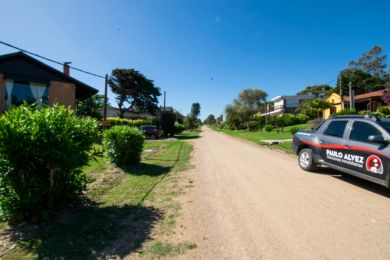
(353, 144)
(151, 131)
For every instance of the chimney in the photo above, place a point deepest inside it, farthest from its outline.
(66, 67)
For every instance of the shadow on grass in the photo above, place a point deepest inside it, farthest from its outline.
(186, 137)
(89, 232)
(148, 169)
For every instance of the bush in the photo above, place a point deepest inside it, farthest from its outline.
(383, 111)
(294, 129)
(347, 112)
(167, 123)
(42, 151)
(254, 125)
(130, 122)
(268, 128)
(191, 122)
(301, 118)
(179, 128)
(124, 144)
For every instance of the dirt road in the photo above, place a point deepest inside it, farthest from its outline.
(250, 202)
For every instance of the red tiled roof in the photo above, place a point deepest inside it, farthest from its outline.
(378, 93)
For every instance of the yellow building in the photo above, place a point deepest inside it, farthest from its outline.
(335, 102)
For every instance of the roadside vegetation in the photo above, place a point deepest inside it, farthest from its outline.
(125, 201)
(258, 137)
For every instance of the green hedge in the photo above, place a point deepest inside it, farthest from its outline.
(179, 128)
(42, 151)
(130, 122)
(124, 144)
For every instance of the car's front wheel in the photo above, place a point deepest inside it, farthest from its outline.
(306, 161)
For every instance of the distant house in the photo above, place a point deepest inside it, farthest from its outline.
(24, 78)
(114, 112)
(335, 105)
(285, 104)
(368, 101)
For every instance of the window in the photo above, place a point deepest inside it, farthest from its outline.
(361, 131)
(17, 92)
(336, 128)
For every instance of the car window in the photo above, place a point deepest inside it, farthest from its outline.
(385, 123)
(362, 130)
(336, 128)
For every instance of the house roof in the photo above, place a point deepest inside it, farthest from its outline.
(378, 93)
(10, 64)
(293, 97)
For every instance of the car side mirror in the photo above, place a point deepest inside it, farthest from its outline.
(377, 139)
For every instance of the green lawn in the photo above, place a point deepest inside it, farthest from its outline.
(258, 136)
(122, 208)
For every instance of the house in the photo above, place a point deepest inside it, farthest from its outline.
(24, 78)
(114, 112)
(367, 101)
(335, 105)
(286, 104)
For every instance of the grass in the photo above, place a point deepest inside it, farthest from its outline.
(258, 136)
(123, 210)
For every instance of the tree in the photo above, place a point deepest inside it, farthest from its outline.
(134, 90)
(313, 108)
(179, 117)
(321, 90)
(210, 120)
(167, 122)
(195, 110)
(220, 119)
(362, 81)
(233, 117)
(91, 107)
(372, 62)
(249, 102)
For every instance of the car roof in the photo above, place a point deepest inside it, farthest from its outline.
(366, 117)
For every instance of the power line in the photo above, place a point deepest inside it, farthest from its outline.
(51, 60)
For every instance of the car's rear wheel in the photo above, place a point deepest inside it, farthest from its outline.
(306, 161)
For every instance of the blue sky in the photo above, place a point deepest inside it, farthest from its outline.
(201, 50)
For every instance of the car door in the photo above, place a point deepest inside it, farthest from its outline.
(332, 142)
(363, 155)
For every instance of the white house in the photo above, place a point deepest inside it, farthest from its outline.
(285, 104)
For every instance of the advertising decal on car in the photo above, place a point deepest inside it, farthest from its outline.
(346, 158)
(357, 158)
(374, 164)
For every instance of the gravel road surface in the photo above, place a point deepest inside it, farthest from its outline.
(250, 202)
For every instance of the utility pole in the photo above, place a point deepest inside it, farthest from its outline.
(165, 97)
(105, 99)
(351, 96)
(341, 94)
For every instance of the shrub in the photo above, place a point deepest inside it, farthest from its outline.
(301, 118)
(130, 122)
(383, 111)
(254, 125)
(294, 129)
(179, 128)
(124, 144)
(191, 122)
(268, 128)
(42, 151)
(347, 112)
(167, 123)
